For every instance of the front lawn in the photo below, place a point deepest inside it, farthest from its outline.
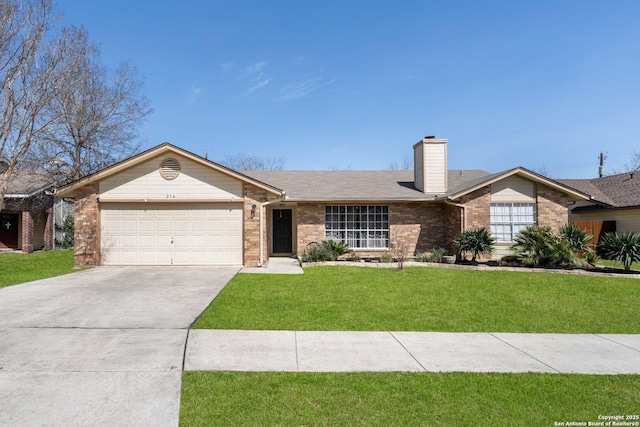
(617, 264)
(20, 268)
(427, 299)
(403, 399)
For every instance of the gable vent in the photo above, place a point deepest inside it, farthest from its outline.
(169, 168)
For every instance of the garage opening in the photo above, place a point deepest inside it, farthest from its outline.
(171, 233)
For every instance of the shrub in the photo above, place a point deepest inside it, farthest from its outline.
(591, 257)
(542, 247)
(317, 253)
(421, 257)
(386, 257)
(577, 238)
(623, 247)
(476, 242)
(67, 233)
(327, 250)
(437, 254)
(337, 248)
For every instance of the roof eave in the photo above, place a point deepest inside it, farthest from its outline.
(69, 189)
(529, 174)
(351, 199)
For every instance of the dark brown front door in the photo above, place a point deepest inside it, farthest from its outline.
(282, 231)
(8, 230)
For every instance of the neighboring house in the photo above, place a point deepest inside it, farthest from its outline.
(169, 206)
(615, 204)
(26, 215)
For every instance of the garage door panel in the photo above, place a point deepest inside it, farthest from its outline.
(165, 234)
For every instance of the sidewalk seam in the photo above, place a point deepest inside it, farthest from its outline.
(295, 338)
(184, 352)
(616, 342)
(405, 349)
(524, 352)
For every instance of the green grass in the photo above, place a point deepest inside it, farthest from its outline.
(20, 268)
(402, 399)
(427, 299)
(618, 264)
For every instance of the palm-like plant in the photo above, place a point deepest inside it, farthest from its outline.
(623, 247)
(542, 247)
(577, 238)
(476, 242)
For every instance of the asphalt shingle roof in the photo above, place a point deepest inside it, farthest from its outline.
(621, 190)
(359, 185)
(25, 181)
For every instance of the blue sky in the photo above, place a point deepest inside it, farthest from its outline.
(354, 84)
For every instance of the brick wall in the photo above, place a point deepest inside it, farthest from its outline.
(86, 227)
(310, 224)
(254, 195)
(552, 207)
(416, 226)
(27, 231)
(454, 223)
(478, 208)
(49, 227)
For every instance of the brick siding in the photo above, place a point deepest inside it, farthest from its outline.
(310, 224)
(86, 227)
(418, 227)
(478, 205)
(27, 232)
(251, 236)
(552, 207)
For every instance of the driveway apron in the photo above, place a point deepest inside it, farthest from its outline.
(100, 347)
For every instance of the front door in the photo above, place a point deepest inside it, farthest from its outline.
(8, 231)
(282, 231)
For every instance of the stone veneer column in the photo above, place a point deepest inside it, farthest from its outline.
(27, 232)
(87, 227)
(251, 233)
(552, 207)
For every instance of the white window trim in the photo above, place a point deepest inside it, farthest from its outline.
(512, 223)
(360, 230)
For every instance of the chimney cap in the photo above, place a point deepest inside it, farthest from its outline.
(430, 137)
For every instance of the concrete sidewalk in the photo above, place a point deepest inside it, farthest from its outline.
(277, 265)
(100, 347)
(309, 351)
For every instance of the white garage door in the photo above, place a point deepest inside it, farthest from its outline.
(171, 234)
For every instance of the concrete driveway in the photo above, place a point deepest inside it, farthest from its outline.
(100, 347)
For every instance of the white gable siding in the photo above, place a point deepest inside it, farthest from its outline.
(513, 189)
(195, 182)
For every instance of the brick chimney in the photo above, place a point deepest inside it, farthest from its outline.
(430, 165)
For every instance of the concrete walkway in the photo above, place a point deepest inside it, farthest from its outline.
(308, 351)
(100, 347)
(277, 265)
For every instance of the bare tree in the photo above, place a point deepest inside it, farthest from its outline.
(405, 164)
(33, 65)
(246, 162)
(95, 114)
(631, 165)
